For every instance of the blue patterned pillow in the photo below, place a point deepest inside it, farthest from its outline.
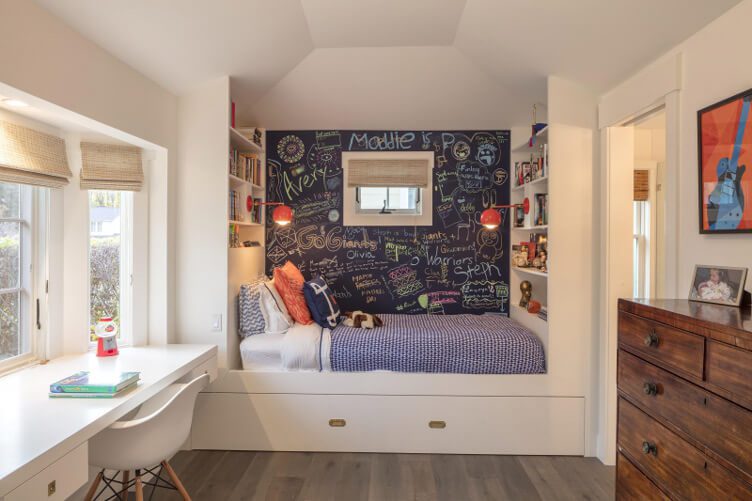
(321, 302)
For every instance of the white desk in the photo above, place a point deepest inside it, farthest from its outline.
(36, 431)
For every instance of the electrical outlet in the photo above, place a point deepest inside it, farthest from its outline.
(216, 323)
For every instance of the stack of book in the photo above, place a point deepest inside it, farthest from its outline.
(235, 214)
(87, 385)
(246, 166)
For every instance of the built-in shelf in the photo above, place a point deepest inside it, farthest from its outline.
(243, 223)
(522, 311)
(540, 180)
(242, 143)
(543, 227)
(256, 247)
(531, 271)
(237, 181)
(541, 137)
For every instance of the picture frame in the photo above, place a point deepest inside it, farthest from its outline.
(718, 284)
(724, 151)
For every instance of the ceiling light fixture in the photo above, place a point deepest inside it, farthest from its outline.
(14, 103)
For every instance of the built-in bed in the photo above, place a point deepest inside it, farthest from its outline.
(470, 384)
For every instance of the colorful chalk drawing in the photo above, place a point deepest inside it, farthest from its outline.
(453, 266)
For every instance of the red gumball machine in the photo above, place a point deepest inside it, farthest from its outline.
(106, 332)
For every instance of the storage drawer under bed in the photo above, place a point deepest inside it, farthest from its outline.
(379, 423)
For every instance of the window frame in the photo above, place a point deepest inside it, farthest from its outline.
(352, 216)
(33, 277)
(417, 211)
(125, 334)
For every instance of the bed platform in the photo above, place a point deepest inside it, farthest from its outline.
(269, 407)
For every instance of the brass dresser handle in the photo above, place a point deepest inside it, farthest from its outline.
(437, 425)
(337, 423)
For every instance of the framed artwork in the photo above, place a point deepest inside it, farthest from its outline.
(718, 284)
(724, 139)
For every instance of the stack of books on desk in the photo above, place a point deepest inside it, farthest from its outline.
(88, 385)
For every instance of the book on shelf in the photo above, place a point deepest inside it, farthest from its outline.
(245, 166)
(87, 383)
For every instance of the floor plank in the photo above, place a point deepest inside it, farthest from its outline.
(304, 476)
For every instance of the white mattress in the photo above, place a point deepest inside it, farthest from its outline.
(302, 347)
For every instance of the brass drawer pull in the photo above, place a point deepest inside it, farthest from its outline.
(437, 425)
(649, 448)
(337, 423)
(650, 389)
(651, 340)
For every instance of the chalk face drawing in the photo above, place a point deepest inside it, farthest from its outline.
(454, 266)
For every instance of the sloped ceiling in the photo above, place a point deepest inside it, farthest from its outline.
(386, 63)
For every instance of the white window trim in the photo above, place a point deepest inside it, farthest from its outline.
(127, 238)
(33, 220)
(352, 216)
(412, 212)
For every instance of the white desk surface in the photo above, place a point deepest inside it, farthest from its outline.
(36, 430)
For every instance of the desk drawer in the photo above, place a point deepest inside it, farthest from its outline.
(679, 468)
(631, 484)
(665, 345)
(719, 424)
(58, 481)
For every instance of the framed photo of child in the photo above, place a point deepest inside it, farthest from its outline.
(718, 284)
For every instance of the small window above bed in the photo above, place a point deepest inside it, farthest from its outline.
(387, 188)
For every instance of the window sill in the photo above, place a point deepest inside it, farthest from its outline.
(13, 366)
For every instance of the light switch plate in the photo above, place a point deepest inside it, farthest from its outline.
(216, 323)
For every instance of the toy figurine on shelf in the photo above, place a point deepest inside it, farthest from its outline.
(526, 288)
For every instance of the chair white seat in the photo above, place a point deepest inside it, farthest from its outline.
(153, 434)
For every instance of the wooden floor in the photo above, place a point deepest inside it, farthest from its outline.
(220, 475)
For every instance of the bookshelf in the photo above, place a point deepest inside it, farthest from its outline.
(530, 180)
(246, 185)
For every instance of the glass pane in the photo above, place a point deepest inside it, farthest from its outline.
(10, 255)
(104, 257)
(10, 197)
(10, 344)
(372, 198)
(402, 198)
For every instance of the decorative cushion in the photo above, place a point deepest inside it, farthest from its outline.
(289, 282)
(251, 318)
(322, 303)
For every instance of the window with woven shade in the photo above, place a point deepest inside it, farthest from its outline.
(30, 157)
(641, 185)
(111, 167)
(385, 172)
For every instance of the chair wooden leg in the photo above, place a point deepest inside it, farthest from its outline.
(139, 487)
(124, 490)
(93, 488)
(176, 481)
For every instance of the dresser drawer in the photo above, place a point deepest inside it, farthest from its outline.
(677, 467)
(730, 368)
(722, 426)
(631, 484)
(665, 345)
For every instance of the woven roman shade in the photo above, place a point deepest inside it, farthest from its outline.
(388, 172)
(31, 157)
(641, 185)
(111, 167)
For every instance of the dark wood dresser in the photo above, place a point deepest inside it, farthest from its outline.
(684, 428)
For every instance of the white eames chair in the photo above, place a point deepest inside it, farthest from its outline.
(145, 441)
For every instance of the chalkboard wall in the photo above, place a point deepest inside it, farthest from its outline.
(454, 266)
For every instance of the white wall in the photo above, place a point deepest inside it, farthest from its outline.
(713, 68)
(388, 88)
(201, 225)
(52, 66)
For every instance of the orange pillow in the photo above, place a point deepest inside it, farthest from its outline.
(289, 282)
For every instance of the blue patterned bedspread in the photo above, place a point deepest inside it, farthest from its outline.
(460, 344)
